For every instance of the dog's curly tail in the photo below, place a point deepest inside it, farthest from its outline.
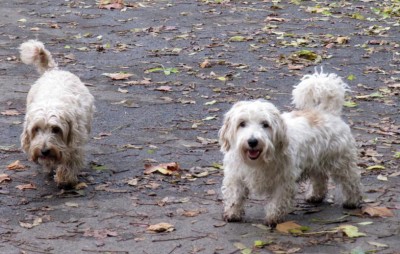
(320, 91)
(33, 52)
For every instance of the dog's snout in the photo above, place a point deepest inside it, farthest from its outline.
(253, 142)
(45, 151)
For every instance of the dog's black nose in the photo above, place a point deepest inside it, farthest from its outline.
(252, 142)
(45, 151)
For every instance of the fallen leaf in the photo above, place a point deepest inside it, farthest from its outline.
(164, 88)
(364, 223)
(209, 118)
(376, 167)
(122, 90)
(16, 165)
(239, 246)
(379, 245)
(290, 227)
(164, 168)
(342, 40)
(351, 231)
(350, 104)
(118, 75)
(261, 226)
(205, 64)
(111, 4)
(36, 222)
(193, 213)
(71, 204)
(237, 38)
(377, 211)
(29, 186)
(133, 182)
(351, 77)
(80, 186)
(161, 227)
(382, 177)
(10, 112)
(4, 177)
(210, 102)
(207, 141)
(261, 244)
(145, 81)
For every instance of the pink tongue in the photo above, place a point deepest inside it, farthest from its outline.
(254, 153)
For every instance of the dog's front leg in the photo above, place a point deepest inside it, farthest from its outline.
(234, 194)
(280, 204)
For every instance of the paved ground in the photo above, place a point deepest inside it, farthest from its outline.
(251, 49)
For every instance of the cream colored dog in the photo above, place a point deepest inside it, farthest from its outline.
(267, 152)
(58, 117)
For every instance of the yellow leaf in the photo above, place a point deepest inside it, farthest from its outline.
(351, 231)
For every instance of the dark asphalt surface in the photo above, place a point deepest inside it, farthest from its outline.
(253, 52)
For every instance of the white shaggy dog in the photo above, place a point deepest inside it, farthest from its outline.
(266, 152)
(58, 117)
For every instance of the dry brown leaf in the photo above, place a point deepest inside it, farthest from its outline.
(28, 186)
(377, 211)
(285, 227)
(161, 227)
(145, 81)
(111, 4)
(164, 168)
(118, 75)
(16, 165)
(164, 88)
(10, 112)
(35, 223)
(4, 177)
(193, 213)
(205, 64)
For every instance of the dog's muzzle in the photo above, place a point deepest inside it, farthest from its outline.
(253, 152)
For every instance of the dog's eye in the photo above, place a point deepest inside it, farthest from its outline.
(242, 124)
(35, 129)
(265, 124)
(56, 130)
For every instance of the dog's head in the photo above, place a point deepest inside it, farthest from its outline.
(46, 136)
(254, 129)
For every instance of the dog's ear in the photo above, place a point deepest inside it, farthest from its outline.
(72, 134)
(25, 138)
(280, 134)
(223, 134)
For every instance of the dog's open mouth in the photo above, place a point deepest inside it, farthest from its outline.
(253, 154)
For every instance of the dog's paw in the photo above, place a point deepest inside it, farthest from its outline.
(351, 205)
(271, 222)
(232, 217)
(314, 199)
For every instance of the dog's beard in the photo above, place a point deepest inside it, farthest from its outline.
(54, 155)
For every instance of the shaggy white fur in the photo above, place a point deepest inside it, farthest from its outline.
(266, 152)
(58, 117)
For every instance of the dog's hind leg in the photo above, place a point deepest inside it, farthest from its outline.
(346, 174)
(318, 187)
